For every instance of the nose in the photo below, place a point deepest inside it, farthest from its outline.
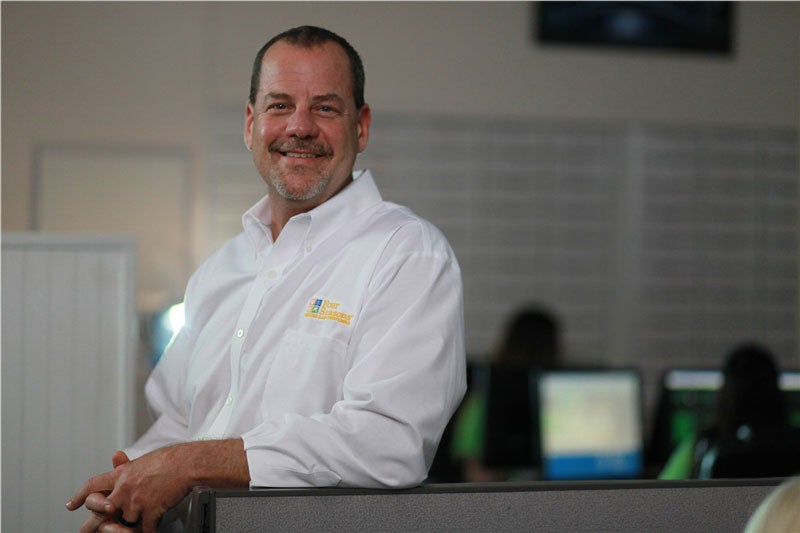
(301, 124)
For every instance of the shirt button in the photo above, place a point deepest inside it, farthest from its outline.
(272, 274)
(240, 333)
(309, 247)
(229, 400)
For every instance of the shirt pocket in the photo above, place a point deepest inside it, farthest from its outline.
(306, 376)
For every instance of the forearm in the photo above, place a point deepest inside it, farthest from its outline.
(216, 463)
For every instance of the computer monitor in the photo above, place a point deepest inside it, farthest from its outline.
(691, 397)
(590, 424)
(790, 385)
(688, 400)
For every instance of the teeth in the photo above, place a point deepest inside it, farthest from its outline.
(295, 154)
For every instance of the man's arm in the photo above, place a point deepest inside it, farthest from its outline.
(144, 489)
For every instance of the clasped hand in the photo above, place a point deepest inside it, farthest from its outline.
(136, 493)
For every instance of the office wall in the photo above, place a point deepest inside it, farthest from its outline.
(145, 73)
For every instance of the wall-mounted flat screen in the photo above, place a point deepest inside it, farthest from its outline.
(692, 26)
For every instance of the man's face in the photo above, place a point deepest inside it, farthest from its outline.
(304, 129)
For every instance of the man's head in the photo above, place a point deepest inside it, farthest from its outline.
(303, 121)
(309, 36)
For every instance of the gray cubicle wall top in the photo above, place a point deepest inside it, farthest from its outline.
(608, 506)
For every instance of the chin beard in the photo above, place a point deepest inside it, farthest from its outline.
(309, 190)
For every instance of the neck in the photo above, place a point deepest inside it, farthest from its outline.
(281, 213)
(283, 209)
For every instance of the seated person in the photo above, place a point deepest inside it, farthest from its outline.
(532, 339)
(751, 435)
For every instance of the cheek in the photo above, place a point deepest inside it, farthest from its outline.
(264, 132)
(345, 140)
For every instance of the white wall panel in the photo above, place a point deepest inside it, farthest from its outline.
(68, 370)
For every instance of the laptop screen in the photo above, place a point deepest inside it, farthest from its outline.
(591, 424)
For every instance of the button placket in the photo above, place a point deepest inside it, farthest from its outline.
(269, 268)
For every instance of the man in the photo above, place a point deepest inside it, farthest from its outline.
(323, 346)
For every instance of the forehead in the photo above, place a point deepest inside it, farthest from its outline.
(320, 69)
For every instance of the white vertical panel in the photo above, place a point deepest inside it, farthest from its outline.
(113, 354)
(13, 343)
(36, 321)
(61, 342)
(69, 322)
(84, 367)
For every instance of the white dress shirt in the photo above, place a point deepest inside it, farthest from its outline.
(336, 352)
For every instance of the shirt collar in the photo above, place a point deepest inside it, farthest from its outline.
(357, 196)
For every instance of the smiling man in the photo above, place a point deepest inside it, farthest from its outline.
(323, 345)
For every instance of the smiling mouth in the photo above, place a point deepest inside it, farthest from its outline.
(299, 150)
(300, 155)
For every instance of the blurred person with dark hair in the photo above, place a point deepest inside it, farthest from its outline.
(532, 339)
(751, 435)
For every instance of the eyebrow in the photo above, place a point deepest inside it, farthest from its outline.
(276, 96)
(315, 99)
(327, 98)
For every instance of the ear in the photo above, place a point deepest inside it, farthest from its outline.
(364, 121)
(248, 126)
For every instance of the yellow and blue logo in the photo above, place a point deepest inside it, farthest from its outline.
(327, 310)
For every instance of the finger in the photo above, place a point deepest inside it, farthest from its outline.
(94, 523)
(100, 504)
(100, 483)
(125, 503)
(150, 521)
(131, 523)
(115, 527)
(119, 458)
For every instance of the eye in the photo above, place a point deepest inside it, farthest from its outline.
(277, 107)
(327, 110)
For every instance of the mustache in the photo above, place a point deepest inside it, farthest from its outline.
(298, 145)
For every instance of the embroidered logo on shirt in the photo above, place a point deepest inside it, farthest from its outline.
(327, 310)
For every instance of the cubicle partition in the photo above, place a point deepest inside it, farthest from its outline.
(69, 354)
(605, 506)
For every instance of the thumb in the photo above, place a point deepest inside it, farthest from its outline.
(119, 458)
